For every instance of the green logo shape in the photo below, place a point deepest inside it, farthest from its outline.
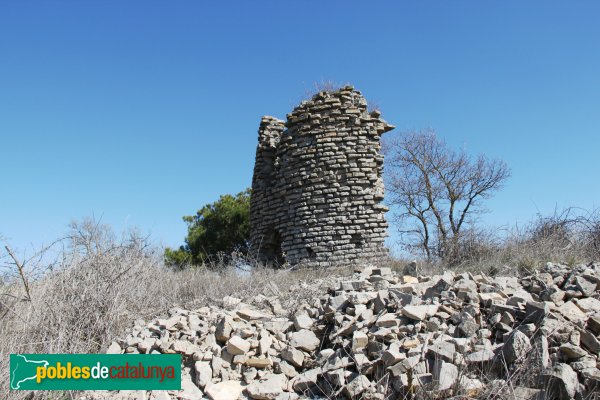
(95, 372)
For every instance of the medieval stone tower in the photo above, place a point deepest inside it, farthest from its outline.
(317, 185)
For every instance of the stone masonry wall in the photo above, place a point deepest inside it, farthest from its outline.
(317, 185)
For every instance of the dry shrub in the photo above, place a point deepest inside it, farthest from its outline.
(566, 237)
(325, 85)
(569, 237)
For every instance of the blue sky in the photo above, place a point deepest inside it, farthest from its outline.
(141, 112)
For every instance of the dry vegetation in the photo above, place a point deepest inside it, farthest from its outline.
(570, 236)
(88, 288)
(81, 292)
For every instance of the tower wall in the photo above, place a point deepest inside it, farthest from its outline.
(317, 186)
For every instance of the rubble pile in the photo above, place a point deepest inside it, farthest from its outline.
(383, 335)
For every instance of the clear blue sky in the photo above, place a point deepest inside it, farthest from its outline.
(143, 111)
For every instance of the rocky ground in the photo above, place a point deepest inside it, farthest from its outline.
(382, 335)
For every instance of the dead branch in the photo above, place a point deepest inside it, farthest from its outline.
(20, 267)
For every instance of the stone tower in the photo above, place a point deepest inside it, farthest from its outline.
(317, 185)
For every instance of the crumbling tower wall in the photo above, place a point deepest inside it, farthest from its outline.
(264, 219)
(317, 185)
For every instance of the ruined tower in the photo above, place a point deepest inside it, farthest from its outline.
(317, 185)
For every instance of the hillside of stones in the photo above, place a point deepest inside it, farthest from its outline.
(381, 335)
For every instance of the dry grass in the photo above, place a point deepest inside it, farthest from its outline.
(569, 237)
(88, 288)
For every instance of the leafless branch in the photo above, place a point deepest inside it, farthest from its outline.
(20, 267)
(438, 188)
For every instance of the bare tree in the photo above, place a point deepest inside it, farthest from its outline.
(436, 190)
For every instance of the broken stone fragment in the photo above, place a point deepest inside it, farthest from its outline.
(359, 340)
(442, 351)
(586, 287)
(487, 299)
(591, 374)
(392, 355)
(268, 388)
(251, 315)
(357, 386)
(410, 343)
(402, 298)
(305, 340)
(445, 375)
(286, 369)
(278, 325)
(541, 354)
(184, 347)
(239, 359)
(295, 357)
(227, 390)
(588, 305)
(204, 373)
(288, 396)
(275, 306)
(590, 342)
(159, 395)
(114, 348)
(333, 361)
(216, 364)
(249, 375)
(381, 300)
(257, 362)
(346, 329)
(132, 341)
(303, 321)
(570, 311)
(336, 377)
(419, 313)
(469, 297)
(593, 324)
(361, 297)
(583, 363)
(197, 325)
(467, 328)
(387, 320)
(265, 342)
(224, 328)
(305, 380)
(516, 347)
(480, 356)
(553, 294)
(169, 323)
(337, 302)
(146, 345)
(236, 345)
(561, 381)
(436, 290)
(572, 352)
(189, 391)
(535, 311)
(462, 344)
(353, 285)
